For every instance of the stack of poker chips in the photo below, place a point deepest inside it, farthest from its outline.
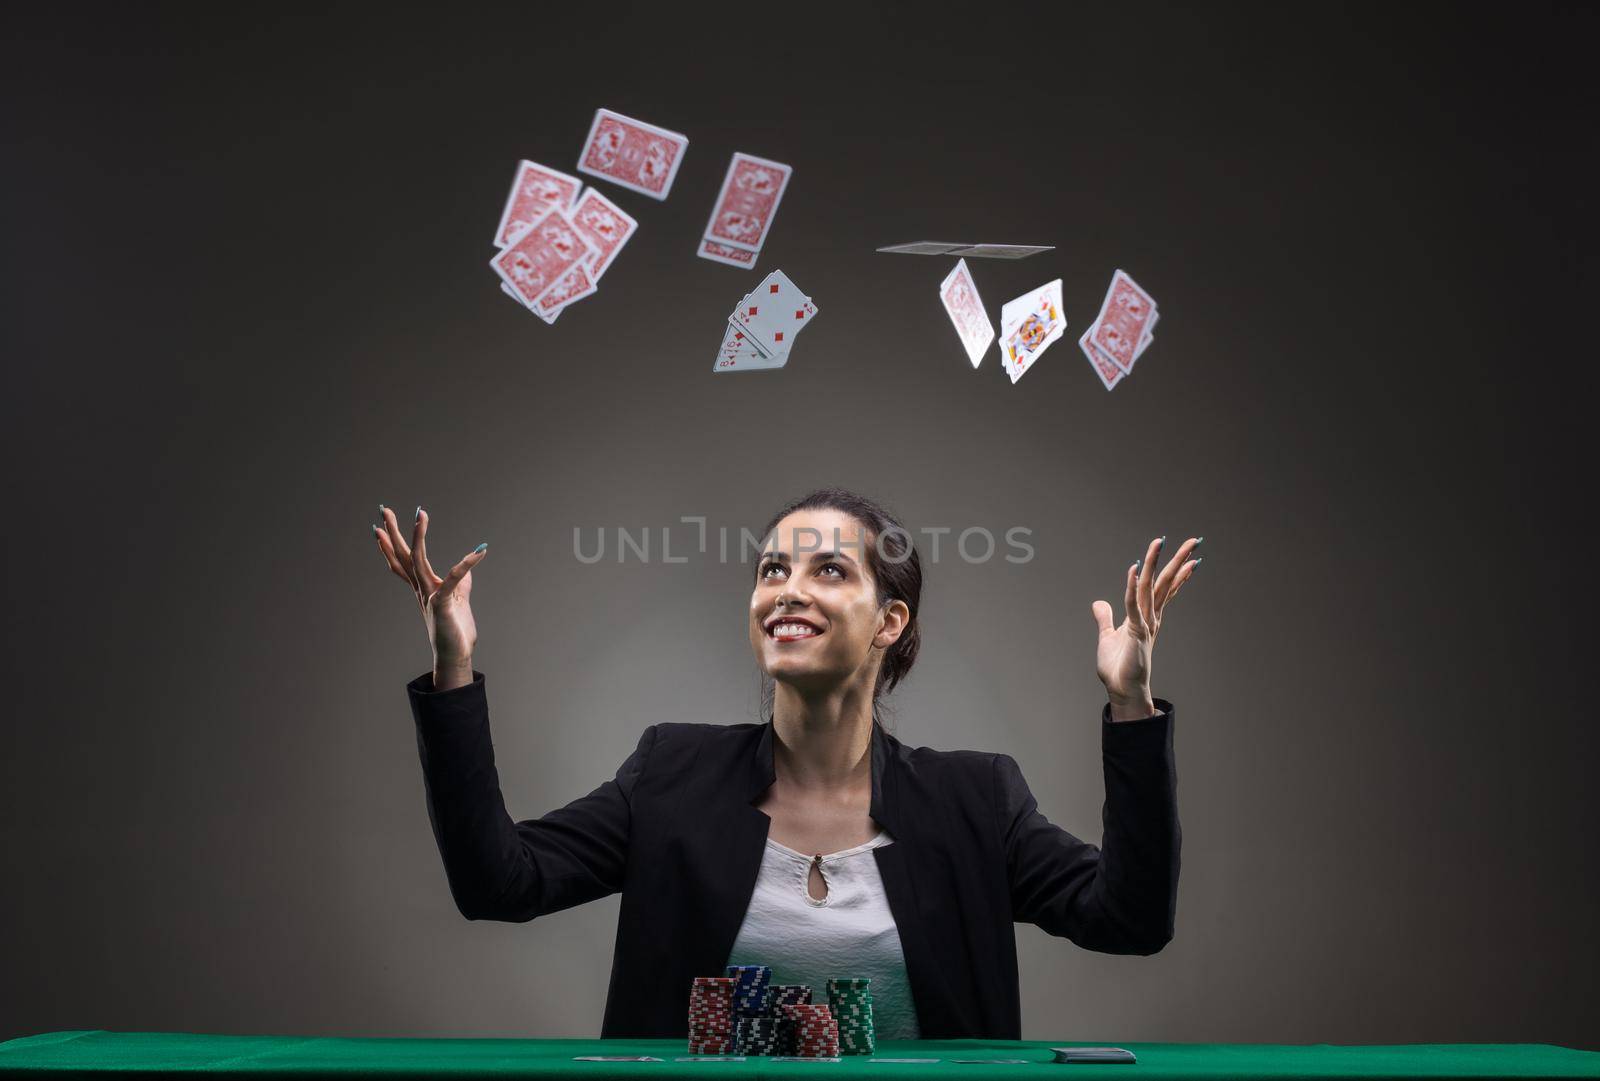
(780, 995)
(755, 1032)
(711, 1015)
(851, 1004)
(816, 1033)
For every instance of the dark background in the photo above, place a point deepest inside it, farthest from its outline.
(247, 299)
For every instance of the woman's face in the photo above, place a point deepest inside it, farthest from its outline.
(814, 563)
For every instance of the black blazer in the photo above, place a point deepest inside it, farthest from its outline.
(677, 833)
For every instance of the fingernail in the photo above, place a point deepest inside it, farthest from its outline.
(1160, 542)
(481, 547)
(375, 529)
(382, 508)
(1198, 562)
(1198, 543)
(418, 518)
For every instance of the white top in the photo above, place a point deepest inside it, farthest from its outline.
(849, 933)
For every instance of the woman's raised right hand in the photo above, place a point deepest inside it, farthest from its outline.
(444, 601)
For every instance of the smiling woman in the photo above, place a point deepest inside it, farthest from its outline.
(814, 841)
(864, 567)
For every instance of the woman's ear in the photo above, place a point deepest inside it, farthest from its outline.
(896, 618)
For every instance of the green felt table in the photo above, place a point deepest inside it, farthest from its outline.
(164, 1053)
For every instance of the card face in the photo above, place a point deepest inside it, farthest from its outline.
(724, 253)
(924, 247)
(535, 191)
(738, 353)
(751, 191)
(605, 225)
(1002, 251)
(1029, 325)
(960, 298)
(541, 256)
(1124, 315)
(639, 156)
(774, 312)
(1109, 373)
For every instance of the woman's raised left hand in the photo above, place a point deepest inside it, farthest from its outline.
(1122, 660)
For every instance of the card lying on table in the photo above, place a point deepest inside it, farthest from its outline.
(1093, 1054)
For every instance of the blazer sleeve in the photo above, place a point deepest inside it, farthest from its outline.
(504, 870)
(1121, 898)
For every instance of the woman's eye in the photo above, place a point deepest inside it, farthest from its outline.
(836, 567)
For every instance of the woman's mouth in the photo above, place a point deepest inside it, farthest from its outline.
(786, 631)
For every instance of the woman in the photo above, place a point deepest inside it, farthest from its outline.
(816, 842)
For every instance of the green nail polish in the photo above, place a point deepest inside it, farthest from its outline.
(481, 547)
(382, 508)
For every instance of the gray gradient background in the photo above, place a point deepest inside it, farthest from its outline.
(247, 300)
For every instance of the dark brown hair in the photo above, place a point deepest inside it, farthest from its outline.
(896, 570)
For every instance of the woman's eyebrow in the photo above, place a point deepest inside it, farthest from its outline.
(784, 556)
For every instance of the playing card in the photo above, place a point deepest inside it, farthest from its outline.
(924, 248)
(723, 253)
(535, 190)
(774, 312)
(574, 285)
(749, 199)
(541, 256)
(1002, 251)
(1029, 325)
(617, 1058)
(605, 224)
(1108, 372)
(512, 293)
(960, 298)
(1124, 315)
(639, 156)
(738, 353)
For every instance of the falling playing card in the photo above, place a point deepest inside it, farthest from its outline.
(924, 247)
(639, 156)
(774, 312)
(1002, 251)
(604, 224)
(749, 199)
(980, 251)
(738, 354)
(723, 253)
(960, 297)
(1124, 317)
(535, 191)
(1108, 372)
(574, 285)
(537, 261)
(1029, 325)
